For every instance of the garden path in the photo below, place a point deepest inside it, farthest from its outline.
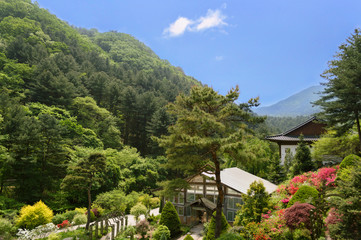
(195, 232)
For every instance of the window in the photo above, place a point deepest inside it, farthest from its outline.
(231, 215)
(181, 198)
(232, 202)
(180, 211)
(191, 197)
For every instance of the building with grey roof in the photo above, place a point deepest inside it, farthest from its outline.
(199, 201)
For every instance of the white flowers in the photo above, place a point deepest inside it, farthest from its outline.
(39, 232)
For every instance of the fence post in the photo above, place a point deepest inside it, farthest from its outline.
(118, 227)
(122, 224)
(113, 231)
(126, 221)
(101, 228)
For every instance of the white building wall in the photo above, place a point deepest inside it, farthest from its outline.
(283, 151)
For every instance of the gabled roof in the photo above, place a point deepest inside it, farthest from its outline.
(204, 202)
(240, 180)
(293, 134)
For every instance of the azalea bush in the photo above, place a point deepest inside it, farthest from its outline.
(285, 220)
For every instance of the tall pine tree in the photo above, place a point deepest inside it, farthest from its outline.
(208, 126)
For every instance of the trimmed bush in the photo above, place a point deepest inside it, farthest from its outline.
(170, 218)
(230, 236)
(188, 237)
(212, 227)
(138, 210)
(69, 215)
(58, 218)
(298, 215)
(161, 232)
(53, 236)
(5, 227)
(80, 218)
(350, 161)
(305, 194)
(33, 216)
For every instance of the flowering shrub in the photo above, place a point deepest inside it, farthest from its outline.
(39, 232)
(64, 224)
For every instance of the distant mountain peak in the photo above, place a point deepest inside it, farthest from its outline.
(299, 104)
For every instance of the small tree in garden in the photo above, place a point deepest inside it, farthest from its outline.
(83, 175)
(212, 227)
(298, 215)
(348, 206)
(303, 160)
(138, 210)
(256, 202)
(170, 218)
(162, 232)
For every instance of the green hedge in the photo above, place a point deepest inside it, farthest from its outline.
(305, 194)
(349, 161)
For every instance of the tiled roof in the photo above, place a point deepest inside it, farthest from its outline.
(292, 139)
(240, 180)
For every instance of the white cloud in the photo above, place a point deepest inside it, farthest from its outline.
(178, 27)
(219, 58)
(213, 19)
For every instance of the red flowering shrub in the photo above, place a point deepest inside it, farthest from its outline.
(297, 215)
(64, 224)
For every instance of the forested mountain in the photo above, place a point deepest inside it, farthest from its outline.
(45, 60)
(299, 104)
(66, 92)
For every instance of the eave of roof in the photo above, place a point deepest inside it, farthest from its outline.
(240, 180)
(281, 138)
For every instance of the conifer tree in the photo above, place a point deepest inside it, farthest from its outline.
(208, 126)
(303, 160)
(340, 101)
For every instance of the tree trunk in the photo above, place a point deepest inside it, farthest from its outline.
(89, 206)
(358, 127)
(220, 197)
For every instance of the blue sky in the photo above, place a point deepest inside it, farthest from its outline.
(271, 49)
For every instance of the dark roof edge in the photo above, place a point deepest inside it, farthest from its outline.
(294, 128)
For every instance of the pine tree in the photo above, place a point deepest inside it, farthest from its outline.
(208, 126)
(340, 100)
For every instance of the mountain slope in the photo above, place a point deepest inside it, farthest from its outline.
(298, 104)
(43, 59)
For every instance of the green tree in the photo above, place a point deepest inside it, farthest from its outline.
(170, 219)
(340, 100)
(83, 174)
(348, 206)
(208, 126)
(255, 203)
(303, 160)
